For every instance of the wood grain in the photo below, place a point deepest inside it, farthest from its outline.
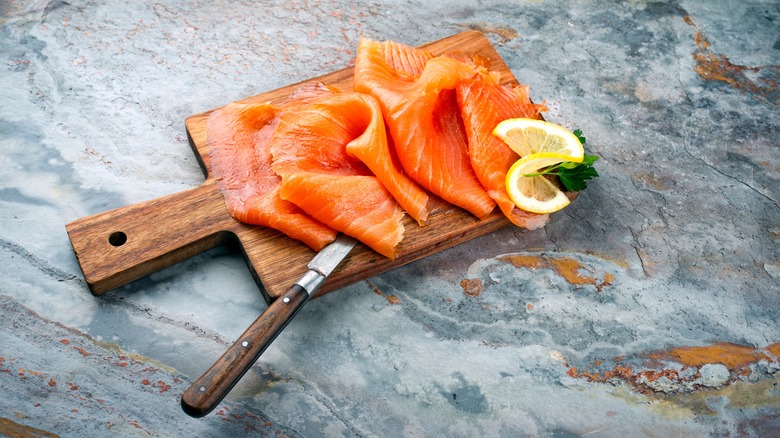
(167, 230)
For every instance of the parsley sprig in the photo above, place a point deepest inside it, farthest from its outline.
(573, 175)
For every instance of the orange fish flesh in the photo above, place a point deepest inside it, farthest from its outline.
(416, 92)
(336, 165)
(238, 140)
(327, 161)
(484, 103)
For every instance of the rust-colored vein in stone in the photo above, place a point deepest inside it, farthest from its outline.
(717, 67)
(774, 350)
(682, 367)
(568, 268)
(734, 357)
(472, 286)
(392, 299)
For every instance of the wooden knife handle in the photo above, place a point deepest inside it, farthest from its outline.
(205, 393)
(118, 246)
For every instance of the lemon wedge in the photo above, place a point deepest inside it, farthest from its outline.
(530, 136)
(536, 193)
(540, 144)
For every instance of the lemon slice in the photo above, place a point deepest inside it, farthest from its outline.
(530, 136)
(536, 193)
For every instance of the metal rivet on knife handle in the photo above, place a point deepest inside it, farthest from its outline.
(208, 391)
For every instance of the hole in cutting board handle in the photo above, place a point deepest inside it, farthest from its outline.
(117, 238)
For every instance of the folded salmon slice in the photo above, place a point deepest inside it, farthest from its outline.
(484, 103)
(337, 166)
(374, 151)
(238, 141)
(416, 92)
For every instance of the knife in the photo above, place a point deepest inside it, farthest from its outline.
(205, 393)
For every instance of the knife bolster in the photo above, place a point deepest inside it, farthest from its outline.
(311, 281)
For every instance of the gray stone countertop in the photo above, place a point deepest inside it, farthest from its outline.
(649, 307)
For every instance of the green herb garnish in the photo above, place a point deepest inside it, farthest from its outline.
(573, 175)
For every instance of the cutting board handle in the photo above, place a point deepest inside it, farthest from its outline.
(118, 246)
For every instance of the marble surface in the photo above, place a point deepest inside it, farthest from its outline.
(649, 307)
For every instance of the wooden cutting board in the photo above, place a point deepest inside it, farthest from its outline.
(119, 246)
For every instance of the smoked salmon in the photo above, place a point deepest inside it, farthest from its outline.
(238, 141)
(417, 95)
(328, 161)
(336, 165)
(484, 103)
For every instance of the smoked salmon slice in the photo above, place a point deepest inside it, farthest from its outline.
(484, 103)
(375, 152)
(327, 161)
(238, 140)
(336, 165)
(416, 92)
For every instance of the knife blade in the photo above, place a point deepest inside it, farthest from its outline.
(208, 391)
